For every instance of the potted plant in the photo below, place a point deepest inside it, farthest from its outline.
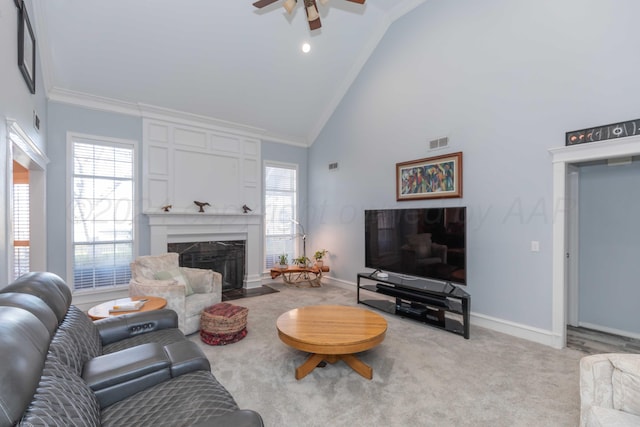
(318, 256)
(301, 261)
(282, 262)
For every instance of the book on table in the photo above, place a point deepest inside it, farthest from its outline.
(126, 304)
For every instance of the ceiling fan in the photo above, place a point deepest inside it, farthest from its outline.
(310, 7)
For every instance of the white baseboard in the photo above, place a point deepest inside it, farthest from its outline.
(518, 330)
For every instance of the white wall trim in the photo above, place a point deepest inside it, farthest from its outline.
(518, 330)
(562, 158)
(22, 149)
(100, 103)
(19, 137)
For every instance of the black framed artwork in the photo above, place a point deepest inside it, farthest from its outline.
(27, 49)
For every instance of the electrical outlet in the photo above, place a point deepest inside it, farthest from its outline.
(535, 246)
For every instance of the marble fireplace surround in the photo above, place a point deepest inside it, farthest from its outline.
(169, 227)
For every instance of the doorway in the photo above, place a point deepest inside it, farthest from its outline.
(564, 268)
(26, 167)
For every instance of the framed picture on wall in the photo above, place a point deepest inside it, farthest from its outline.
(430, 178)
(27, 50)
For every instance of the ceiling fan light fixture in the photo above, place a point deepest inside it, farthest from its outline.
(289, 5)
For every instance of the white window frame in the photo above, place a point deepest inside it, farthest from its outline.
(101, 140)
(296, 212)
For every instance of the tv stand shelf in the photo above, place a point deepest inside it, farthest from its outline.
(438, 304)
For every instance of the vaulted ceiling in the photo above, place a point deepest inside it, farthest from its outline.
(221, 59)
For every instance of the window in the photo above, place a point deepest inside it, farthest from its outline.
(20, 228)
(103, 212)
(280, 200)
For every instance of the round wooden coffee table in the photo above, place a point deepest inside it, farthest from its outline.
(331, 333)
(101, 311)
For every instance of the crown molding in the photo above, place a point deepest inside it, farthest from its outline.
(100, 103)
(93, 102)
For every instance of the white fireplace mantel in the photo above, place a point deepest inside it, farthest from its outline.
(170, 227)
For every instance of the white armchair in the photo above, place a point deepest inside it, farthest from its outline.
(187, 290)
(610, 390)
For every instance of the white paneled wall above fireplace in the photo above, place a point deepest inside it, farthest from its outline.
(183, 163)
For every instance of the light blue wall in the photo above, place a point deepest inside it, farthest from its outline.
(63, 119)
(17, 103)
(504, 80)
(609, 246)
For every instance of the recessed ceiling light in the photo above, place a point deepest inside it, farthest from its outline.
(306, 47)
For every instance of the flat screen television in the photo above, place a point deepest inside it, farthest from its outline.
(429, 243)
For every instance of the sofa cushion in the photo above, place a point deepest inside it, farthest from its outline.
(597, 416)
(76, 341)
(46, 286)
(62, 399)
(177, 275)
(201, 396)
(626, 384)
(162, 336)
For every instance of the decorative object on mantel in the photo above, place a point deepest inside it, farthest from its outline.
(431, 178)
(246, 209)
(310, 7)
(601, 133)
(167, 208)
(201, 205)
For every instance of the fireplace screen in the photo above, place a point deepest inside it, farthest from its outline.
(225, 257)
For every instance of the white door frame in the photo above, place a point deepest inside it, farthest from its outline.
(24, 151)
(562, 159)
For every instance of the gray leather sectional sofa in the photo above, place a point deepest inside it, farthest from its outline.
(58, 368)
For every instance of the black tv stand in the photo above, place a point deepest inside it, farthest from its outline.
(438, 304)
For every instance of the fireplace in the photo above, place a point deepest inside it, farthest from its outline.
(225, 257)
(184, 229)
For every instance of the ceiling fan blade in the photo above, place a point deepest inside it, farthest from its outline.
(312, 9)
(314, 25)
(357, 1)
(262, 3)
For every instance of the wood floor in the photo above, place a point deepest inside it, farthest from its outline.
(594, 342)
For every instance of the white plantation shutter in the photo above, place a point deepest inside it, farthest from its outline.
(280, 208)
(103, 212)
(20, 229)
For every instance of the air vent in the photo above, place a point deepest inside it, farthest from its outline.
(438, 143)
(333, 166)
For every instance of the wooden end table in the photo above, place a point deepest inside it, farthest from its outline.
(101, 311)
(331, 333)
(301, 276)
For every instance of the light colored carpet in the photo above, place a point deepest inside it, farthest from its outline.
(422, 376)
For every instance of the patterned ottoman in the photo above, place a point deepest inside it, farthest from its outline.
(223, 323)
